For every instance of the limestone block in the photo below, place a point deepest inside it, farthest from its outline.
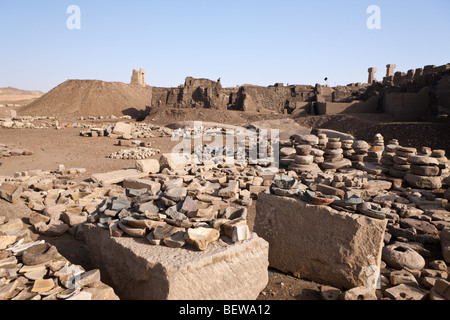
(117, 176)
(134, 183)
(9, 192)
(423, 182)
(122, 128)
(173, 161)
(139, 271)
(148, 165)
(318, 242)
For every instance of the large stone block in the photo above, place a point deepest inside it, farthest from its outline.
(320, 243)
(138, 270)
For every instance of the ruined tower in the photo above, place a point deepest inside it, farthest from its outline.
(138, 77)
(372, 72)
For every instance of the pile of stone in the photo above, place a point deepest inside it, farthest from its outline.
(173, 213)
(127, 131)
(6, 151)
(426, 170)
(418, 230)
(134, 154)
(347, 146)
(35, 270)
(376, 150)
(305, 155)
(387, 157)
(334, 157)
(287, 186)
(401, 165)
(361, 149)
(287, 153)
(303, 160)
(323, 140)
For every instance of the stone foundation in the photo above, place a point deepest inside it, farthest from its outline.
(140, 271)
(319, 243)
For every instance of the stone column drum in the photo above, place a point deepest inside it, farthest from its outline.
(319, 243)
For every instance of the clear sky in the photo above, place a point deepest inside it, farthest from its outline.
(241, 41)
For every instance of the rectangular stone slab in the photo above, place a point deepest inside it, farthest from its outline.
(319, 243)
(138, 270)
(117, 176)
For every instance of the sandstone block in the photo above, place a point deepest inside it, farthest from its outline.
(442, 287)
(172, 162)
(405, 292)
(139, 271)
(122, 128)
(150, 185)
(318, 242)
(117, 176)
(423, 182)
(360, 293)
(10, 192)
(148, 166)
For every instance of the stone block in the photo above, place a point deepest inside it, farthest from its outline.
(117, 176)
(148, 166)
(150, 185)
(445, 244)
(318, 242)
(10, 192)
(138, 270)
(122, 128)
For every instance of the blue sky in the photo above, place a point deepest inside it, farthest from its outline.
(241, 41)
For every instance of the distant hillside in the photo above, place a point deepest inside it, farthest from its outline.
(16, 96)
(90, 98)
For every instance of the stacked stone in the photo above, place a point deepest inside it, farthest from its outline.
(387, 157)
(303, 160)
(443, 162)
(323, 140)
(361, 149)
(376, 150)
(401, 164)
(425, 170)
(347, 146)
(334, 157)
(287, 153)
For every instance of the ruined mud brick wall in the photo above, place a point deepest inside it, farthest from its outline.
(195, 93)
(276, 98)
(421, 92)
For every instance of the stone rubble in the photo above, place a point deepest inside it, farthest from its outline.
(407, 187)
(34, 270)
(175, 206)
(134, 154)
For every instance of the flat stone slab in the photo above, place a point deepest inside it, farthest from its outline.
(319, 243)
(138, 270)
(117, 176)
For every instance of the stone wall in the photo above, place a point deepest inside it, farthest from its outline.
(407, 106)
(407, 95)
